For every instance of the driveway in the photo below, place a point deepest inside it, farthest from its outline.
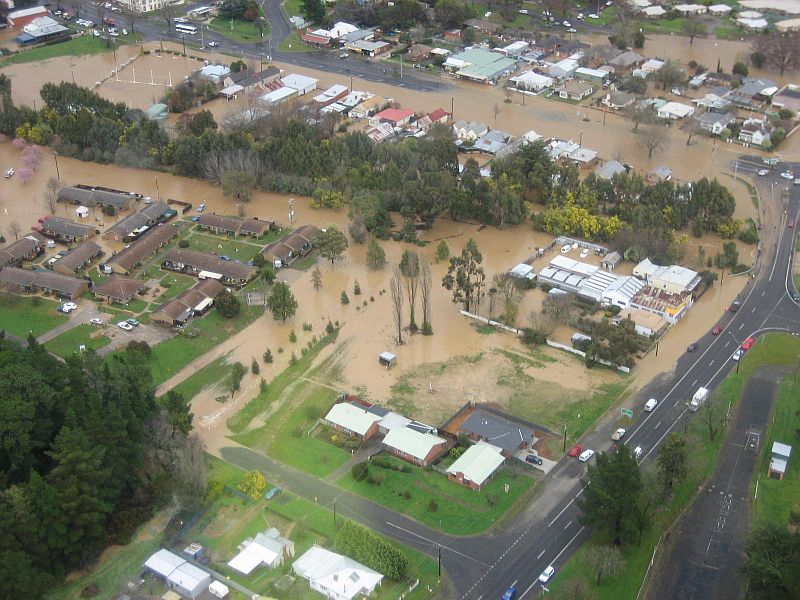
(86, 310)
(152, 334)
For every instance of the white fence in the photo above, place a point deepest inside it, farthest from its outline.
(583, 354)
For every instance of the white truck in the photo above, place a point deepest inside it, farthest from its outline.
(699, 398)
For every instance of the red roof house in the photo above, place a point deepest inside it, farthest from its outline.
(440, 115)
(396, 117)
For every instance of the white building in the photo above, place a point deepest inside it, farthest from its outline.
(469, 131)
(353, 420)
(673, 279)
(514, 49)
(532, 81)
(178, 574)
(675, 111)
(621, 291)
(278, 96)
(523, 271)
(753, 24)
(141, 6)
(690, 9)
(335, 576)
(215, 73)
(564, 68)
(476, 466)
(301, 83)
(654, 12)
(719, 10)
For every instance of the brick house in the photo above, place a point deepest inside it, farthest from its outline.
(413, 446)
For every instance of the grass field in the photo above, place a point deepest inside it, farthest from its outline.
(75, 47)
(293, 43)
(177, 283)
(68, 342)
(242, 251)
(216, 373)
(229, 520)
(21, 315)
(284, 437)
(456, 509)
(774, 349)
(242, 31)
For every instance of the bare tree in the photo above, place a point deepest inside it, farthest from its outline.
(693, 27)
(558, 306)
(638, 115)
(425, 283)
(779, 50)
(506, 287)
(576, 589)
(192, 466)
(396, 289)
(671, 74)
(541, 323)
(217, 164)
(712, 418)
(50, 201)
(14, 228)
(409, 267)
(651, 140)
(133, 17)
(606, 561)
(692, 129)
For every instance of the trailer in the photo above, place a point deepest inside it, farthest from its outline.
(699, 398)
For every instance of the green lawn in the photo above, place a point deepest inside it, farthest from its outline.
(173, 284)
(242, 30)
(68, 342)
(21, 315)
(458, 509)
(305, 263)
(309, 523)
(293, 7)
(774, 349)
(216, 373)
(777, 498)
(293, 43)
(242, 251)
(75, 47)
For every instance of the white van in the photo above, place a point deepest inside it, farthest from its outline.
(650, 405)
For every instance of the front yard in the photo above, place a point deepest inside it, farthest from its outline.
(431, 498)
(23, 315)
(69, 342)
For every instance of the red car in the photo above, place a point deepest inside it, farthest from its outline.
(717, 330)
(748, 343)
(575, 451)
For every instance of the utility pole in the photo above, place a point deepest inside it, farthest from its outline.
(439, 546)
(334, 512)
(452, 107)
(565, 437)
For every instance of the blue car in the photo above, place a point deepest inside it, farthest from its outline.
(223, 257)
(511, 593)
(272, 493)
(195, 219)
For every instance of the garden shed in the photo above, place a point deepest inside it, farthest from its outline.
(387, 359)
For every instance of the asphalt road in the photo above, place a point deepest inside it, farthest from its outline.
(703, 555)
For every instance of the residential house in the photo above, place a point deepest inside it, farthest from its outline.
(41, 30)
(597, 56)
(652, 65)
(380, 132)
(178, 574)
(418, 53)
(452, 35)
(514, 49)
(714, 122)
(627, 61)
(485, 27)
(28, 247)
(130, 227)
(675, 111)
(367, 48)
(396, 117)
(439, 115)
(751, 90)
(336, 576)
(671, 307)
(64, 230)
(215, 73)
(659, 173)
(193, 302)
(316, 37)
(208, 266)
(233, 226)
(133, 254)
(482, 423)
(469, 131)
(787, 25)
(476, 467)
(687, 10)
(788, 97)
(571, 49)
(755, 131)
(618, 100)
(713, 103)
(673, 279)
(24, 281)
(719, 10)
(249, 80)
(563, 69)
(353, 420)
(368, 107)
(18, 19)
(78, 258)
(753, 24)
(532, 81)
(290, 247)
(610, 168)
(267, 549)
(118, 290)
(575, 89)
(95, 197)
(654, 12)
(279, 95)
(779, 460)
(644, 323)
(412, 446)
(332, 94)
(594, 76)
(547, 45)
(514, 146)
(493, 142)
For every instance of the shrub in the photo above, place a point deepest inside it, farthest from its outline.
(183, 243)
(263, 386)
(432, 506)
(362, 545)
(306, 326)
(293, 359)
(292, 336)
(344, 298)
(254, 368)
(268, 356)
(329, 328)
(360, 471)
(356, 288)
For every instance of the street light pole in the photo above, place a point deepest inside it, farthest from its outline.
(55, 158)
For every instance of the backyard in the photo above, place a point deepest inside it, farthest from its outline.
(429, 497)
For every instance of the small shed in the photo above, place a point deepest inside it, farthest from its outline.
(157, 112)
(82, 212)
(387, 359)
(611, 260)
(779, 460)
(218, 589)
(523, 271)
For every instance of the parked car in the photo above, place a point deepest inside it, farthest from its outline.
(9, 173)
(195, 219)
(213, 44)
(735, 306)
(717, 330)
(637, 452)
(790, 224)
(763, 172)
(64, 309)
(586, 455)
(738, 354)
(618, 434)
(797, 181)
(272, 493)
(565, 248)
(96, 321)
(584, 253)
(201, 207)
(575, 450)
(70, 306)
(748, 343)
(787, 175)
(133, 322)
(547, 574)
(533, 459)
(125, 326)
